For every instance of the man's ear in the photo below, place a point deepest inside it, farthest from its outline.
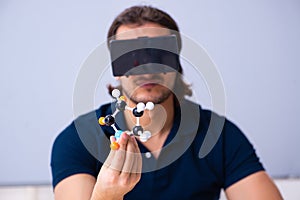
(117, 78)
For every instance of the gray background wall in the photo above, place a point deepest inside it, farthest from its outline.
(254, 44)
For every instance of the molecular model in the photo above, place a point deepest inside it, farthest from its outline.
(138, 111)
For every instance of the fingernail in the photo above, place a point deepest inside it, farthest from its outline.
(125, 136)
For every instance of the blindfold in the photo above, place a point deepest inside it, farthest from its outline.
(144, 55)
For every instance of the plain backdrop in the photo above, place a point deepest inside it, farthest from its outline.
(254, 44)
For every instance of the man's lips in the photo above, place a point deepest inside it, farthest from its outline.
(148, 85)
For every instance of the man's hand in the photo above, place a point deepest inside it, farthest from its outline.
(121, 170)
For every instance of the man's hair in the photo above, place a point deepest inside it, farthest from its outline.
(140, 15)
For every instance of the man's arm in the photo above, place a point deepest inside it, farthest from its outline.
(75, 187)
(257, 186)
(118, 175)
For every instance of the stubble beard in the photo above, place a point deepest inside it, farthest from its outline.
(165, 94)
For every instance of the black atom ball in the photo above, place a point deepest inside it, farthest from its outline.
(109, 120)
(136, 113)
(121, 105)
(137, 130)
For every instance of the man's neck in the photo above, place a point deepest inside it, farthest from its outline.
(158, 121)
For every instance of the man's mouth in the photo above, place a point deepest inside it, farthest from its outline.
(148, 85)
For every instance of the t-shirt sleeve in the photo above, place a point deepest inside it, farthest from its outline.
(240, 156)
(69, 156)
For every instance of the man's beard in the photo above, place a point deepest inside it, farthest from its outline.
(156, 100)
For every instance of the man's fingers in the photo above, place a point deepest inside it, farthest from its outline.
(135, 144)
(137, 164)
(123, 141)
(120, 154)
(109, 158)
(112, 139)
(111, 154)
(130, 154)
(127, 159)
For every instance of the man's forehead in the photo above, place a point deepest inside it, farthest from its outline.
(130, 31)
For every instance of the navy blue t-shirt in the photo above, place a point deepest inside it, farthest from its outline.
(202, 154)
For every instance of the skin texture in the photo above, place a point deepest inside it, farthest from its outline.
(147, 87)
(121, 170)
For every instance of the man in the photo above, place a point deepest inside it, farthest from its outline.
(167, 166)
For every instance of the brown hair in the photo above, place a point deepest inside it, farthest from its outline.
(140, 15)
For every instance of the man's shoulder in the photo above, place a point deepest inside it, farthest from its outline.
(101, 110)
(211, 124)
(84, 121)
(205, 113)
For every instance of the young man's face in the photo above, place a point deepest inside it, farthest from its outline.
(146, 87)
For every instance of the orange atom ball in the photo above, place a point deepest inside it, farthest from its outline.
(114, 146)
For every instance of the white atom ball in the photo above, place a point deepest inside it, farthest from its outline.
(140, 107)
(143, 138)
(149, 106)
(147, 134)
(116, 93)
